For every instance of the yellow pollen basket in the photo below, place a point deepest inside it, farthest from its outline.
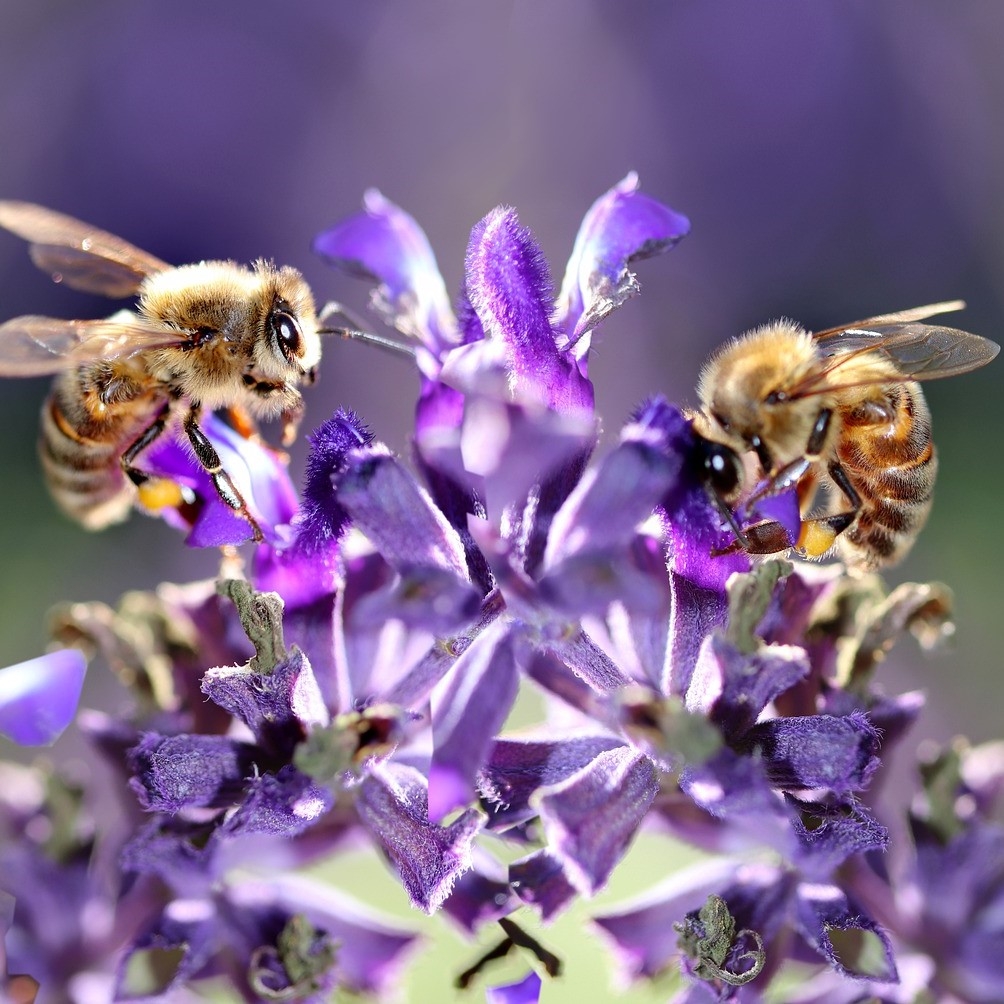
(160, 493)
(815, 539)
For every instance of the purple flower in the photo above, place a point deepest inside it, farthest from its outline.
(38, 698)
(355, 689)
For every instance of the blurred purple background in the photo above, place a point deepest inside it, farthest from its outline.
(837, 160)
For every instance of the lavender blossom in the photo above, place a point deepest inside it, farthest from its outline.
(353, 686)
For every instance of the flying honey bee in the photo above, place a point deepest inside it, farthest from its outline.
(213, 335)
(842, 409)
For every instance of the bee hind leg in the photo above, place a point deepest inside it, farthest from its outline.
(207, 456)
(154, 493)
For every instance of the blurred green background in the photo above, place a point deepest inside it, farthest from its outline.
(838, 159)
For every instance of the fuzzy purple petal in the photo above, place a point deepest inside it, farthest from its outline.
(592, 817)
(277, 707)
(829, 834)
(512, 449)
(306, 567)
(732, 687)
(481, 896)
(817, 751)
(172, 773)
(824, 910)
(388, 505)
(280, 805)
(258, 472)
(526, 991)
(517, 768)
(468, 709)
(734, 789)
(539, 880)
(38, 698)
(510, 290)
(393, 804)
(384, 243)
(622, 226)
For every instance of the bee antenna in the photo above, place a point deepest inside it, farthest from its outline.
(389, 344)
(356, 332)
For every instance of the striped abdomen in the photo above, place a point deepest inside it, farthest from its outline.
(886, 450)
(91, 416)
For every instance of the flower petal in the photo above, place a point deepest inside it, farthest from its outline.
(817, 751)
(38, 698)
(393, 803)
(277, 707)
(539, 879)
(386, 244)
(517, 768)
(468, 709)
(510, 290)
(259, 473)
(733, 687)
(831, 833)
(279, 805)
(622, 226)
(171, 773)
(824, 910)
(591, 818)
(388, 505)
(526, 991)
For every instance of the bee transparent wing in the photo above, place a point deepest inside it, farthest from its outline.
(39, 346)
(78, 254)
(899, 317)
(916, 352)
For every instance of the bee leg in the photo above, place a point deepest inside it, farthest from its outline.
(291, 419)
(154, 493)
(207, 456)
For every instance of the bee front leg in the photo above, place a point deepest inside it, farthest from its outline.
(207, 456)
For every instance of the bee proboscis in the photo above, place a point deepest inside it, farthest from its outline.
(211, 335)
(840, 408)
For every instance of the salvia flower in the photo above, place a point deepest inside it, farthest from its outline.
(351, 687)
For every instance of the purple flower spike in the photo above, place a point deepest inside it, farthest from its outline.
(38, 698)
(622, 226)
(386, 244)
(526, 991)
(393, 803)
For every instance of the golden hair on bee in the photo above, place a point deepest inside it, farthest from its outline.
(840, 409)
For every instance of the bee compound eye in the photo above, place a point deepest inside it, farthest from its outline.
(287, 334)
(720, 468)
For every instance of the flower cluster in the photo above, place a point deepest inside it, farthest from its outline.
(352, 687)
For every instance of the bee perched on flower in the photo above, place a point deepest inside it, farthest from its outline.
(355, 689)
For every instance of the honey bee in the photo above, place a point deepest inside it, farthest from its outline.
(213, 335)
(841, 409)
